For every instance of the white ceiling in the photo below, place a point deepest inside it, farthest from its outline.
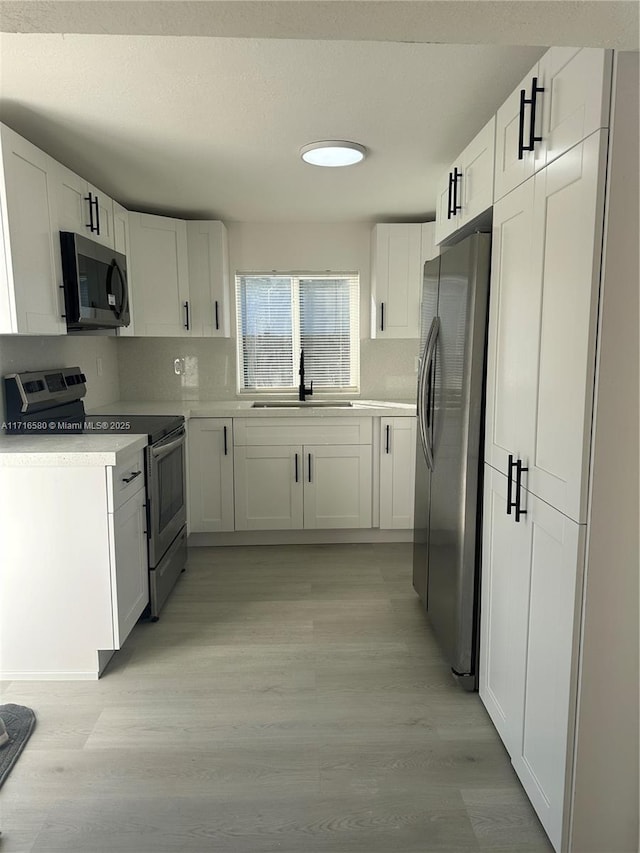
(210, 125)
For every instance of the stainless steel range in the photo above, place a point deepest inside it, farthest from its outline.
(50, 401)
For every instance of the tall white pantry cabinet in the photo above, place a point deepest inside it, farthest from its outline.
(550, 285)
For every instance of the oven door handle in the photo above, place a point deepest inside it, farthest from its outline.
(163, 450)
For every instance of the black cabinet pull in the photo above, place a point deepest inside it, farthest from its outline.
(90, 224)
(519, 469)
(187, 324)
(382, 316)
(309, 467)
(455, 207)
(535, 89)
(296, 464)
(523, 98)
(224, 431)
(532, 102)
(97, 205)
(387, 430)
(133, 476)
(510, 502)
(450, 196)
(217, 317)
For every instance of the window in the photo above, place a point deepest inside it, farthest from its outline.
(280, 314)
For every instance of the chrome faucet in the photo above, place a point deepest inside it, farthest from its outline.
(303, 392)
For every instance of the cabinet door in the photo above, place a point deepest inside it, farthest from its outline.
(575, 102)
(397, 472)
(337, 488)
(130, 569)
(567, 240)
(512, 120)
(159, 275)
(210, 475)
(31, 300)
(268, 488)
(121, 244)
(103, 215)
(503, 617)
(476, 188)
(209, 278)
(555, 548)
(396, 278)
(513, 329)
(81, 208)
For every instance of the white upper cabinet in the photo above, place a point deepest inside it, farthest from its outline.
(31, 298)
(396, 280)
(467, 190)
(209, 278)
(83, 209)
(563, 99)
(159, 275)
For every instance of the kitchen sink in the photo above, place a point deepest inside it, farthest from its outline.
(302, 404)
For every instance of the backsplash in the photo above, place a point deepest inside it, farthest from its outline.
(387, 369)
(35, 352)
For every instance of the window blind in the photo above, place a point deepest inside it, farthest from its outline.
(278, 315)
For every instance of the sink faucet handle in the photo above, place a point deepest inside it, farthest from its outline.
(310, 391)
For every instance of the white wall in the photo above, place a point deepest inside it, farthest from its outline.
(386, 367)
(34, 352)
(605, 815)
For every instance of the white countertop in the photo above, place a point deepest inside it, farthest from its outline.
(82, 451)
(243, 408)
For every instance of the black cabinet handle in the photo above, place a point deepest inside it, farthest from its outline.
(133, 476)
(519, 469)
(309, 467)
(296, 464)
(532, 102)
(455, 207)
(217, 317)
(523, 98)
(382, 316)
(97, 204)
(224, 432)
(387, 430)
(187, 323)
(510, 503)
(90, 224)
(450, 196)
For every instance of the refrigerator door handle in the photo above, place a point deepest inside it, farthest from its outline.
(425, 425)
(431, 395)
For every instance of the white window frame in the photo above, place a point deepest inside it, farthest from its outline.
(354, 331)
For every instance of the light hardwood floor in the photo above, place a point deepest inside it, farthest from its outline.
(290, 699)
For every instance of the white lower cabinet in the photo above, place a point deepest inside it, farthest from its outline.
(397, 472)
(268, 487)
(211, 475)
(303, 487)
(302, 473)
(71, 593)
(531, 592)
(129, 547)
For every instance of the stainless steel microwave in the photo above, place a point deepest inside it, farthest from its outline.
(96, 294)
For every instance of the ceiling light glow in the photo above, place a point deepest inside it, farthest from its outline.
(333, 152)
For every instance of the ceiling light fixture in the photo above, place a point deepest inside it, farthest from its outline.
(333, 152)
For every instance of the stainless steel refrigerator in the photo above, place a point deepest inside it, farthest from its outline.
(448, 491)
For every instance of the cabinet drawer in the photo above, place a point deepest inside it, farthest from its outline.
(287, 431)
(125, 480)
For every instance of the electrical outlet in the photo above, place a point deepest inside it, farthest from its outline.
(178, 366)
(99, 366)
